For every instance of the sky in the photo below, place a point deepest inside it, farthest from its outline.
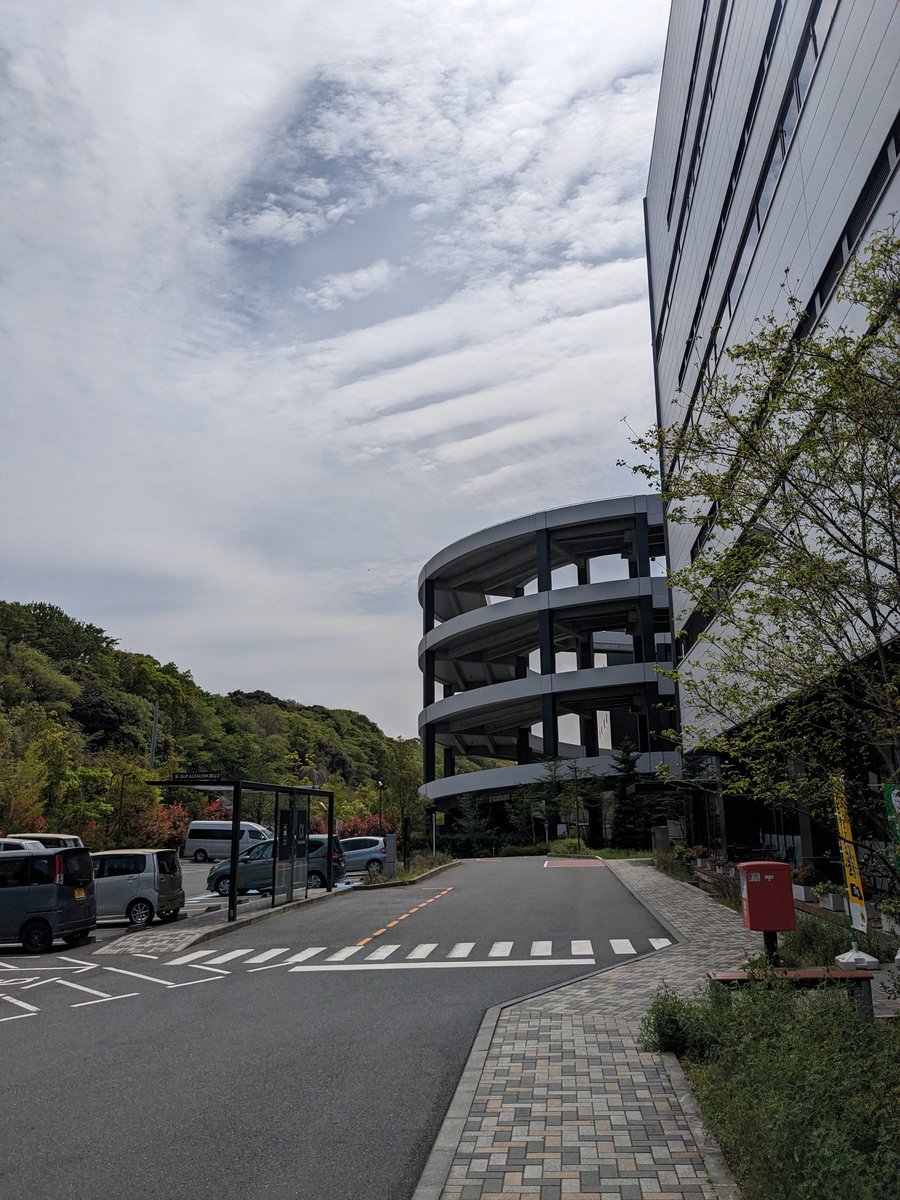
(295, 294)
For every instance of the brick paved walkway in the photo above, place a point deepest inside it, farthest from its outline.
(559, 1100)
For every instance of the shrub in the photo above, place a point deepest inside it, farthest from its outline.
(805, 875)
(816, 942)
(800, 1090)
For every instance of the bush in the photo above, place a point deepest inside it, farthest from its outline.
(674, 864)
(800, 1090)
(816, 942)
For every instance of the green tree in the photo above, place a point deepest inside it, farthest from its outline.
(630, 826)
(402, 780)
(471, 823)
(789, 468)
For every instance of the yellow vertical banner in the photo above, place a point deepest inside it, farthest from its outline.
(848, 857)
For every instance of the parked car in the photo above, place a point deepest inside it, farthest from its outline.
(52, 841)
(208, 840)
(138, 884)
(364, 854)
(255, 867)
(17, 843)
(46, 894)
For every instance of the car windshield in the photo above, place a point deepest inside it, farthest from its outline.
(263, 850)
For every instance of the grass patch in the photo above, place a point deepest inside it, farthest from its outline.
(610, 852)
(800, 1090)
(419, 864)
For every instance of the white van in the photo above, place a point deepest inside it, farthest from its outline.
(212, 839)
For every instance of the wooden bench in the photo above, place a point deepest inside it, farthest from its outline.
(858, 983)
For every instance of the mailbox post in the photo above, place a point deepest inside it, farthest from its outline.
(767, 900)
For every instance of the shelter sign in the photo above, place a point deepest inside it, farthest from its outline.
(848, 857)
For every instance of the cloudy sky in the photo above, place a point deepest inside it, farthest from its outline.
(296, 293)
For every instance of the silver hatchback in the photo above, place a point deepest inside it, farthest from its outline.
(138, 884)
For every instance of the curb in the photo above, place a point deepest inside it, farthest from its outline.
(392, 883)
(214, 931)
(713, 1158)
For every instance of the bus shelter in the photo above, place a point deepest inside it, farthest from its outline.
(291, 829)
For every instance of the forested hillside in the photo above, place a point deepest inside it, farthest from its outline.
(76, 716)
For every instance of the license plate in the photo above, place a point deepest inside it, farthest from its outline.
(80, 893)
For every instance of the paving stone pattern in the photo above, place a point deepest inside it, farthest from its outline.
(566, 1103)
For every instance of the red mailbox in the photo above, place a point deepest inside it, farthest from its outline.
(767, 899)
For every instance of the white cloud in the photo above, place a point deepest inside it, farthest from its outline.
(289, 286)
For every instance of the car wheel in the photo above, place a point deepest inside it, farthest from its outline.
(374, 867)
(201, 856)
(76, 939)
(168, 917)
(315, 880)
(37, 937)
(139, 912)
(223, 885)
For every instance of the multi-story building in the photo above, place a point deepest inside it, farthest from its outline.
(775, 154)
(541, 640)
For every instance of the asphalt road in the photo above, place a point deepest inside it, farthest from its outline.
(228, 1071)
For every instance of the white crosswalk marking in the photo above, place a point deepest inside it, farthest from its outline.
(659, 943)
(500, 950)
(309, 952)
(582, 949)
(381, 953)
(267, 954)
(186, 958)
(622, 946)
(343, 954)
(423, 950)
(541, 949)
(232, 954)
(462, 950)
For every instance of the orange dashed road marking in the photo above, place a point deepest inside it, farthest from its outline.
(403, 916)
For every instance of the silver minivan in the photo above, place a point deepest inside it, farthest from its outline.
(208, 840)
(138, 884)
(44, 895)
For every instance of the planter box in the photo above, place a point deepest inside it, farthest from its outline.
(805, 894)
(832, 902)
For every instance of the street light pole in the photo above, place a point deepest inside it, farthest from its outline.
(380, 785)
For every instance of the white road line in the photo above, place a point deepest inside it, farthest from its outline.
(381, 953)
(85, 966)
(19, 1016)
(85, 1003)
(191, 982)
(445, 964)
(186, 958)
(267, 954)
(422, 951)
(20, 1004)
(462, 950)
(135, 975)
(344, 953)
(212, 970)
(40, 983)
(224, 958)
(541, 949)
(500, 950)
(305, 954)
(79, 987)
(137, 954)
(659, 943)
(584, 947)
(622, 946)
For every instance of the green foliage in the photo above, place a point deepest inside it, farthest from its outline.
(674, 864)
(816, 942)
(800, 1090)
(788, 471)
(631, 824)
(75, 723)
